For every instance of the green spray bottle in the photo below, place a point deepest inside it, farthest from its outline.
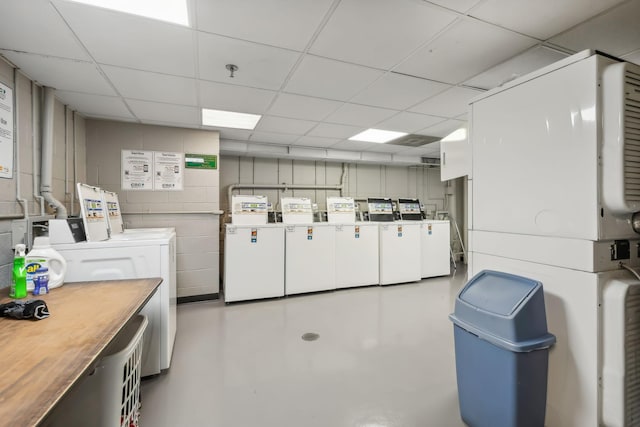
(19, 277)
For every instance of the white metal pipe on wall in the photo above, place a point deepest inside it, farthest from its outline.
(35, 132)
(16, 127)
(46, 176)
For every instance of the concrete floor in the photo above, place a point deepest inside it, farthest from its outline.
(385, 357)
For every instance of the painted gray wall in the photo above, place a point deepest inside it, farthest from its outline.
(197, 234)
(66, 138)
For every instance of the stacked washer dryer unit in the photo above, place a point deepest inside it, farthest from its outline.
(310, 262)
(139, 255)
(399, 244)
(554, 184)
(253, 252)
(356, 250)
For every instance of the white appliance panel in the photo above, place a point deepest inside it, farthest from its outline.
(399, 252)
(356, 253)
(536, 148)
(435, 248)
(253, 262)
(309, 262)
(132, 259)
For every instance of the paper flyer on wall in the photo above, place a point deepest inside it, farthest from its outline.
(137, 170)
(6, 131)
(168, 171)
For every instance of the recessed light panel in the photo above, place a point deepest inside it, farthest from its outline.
(377, 135)
(174, 11)
(229, 119)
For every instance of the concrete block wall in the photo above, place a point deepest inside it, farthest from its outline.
(197, 233)
(69, 143)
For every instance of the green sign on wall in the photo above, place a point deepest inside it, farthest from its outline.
(201, 161)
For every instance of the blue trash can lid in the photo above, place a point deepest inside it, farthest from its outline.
(505, 309)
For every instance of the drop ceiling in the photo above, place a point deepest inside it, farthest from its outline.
(319, 71)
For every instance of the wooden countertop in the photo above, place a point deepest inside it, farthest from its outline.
(40, 360)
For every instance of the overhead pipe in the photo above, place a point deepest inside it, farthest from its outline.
(285, 187)
(46, 175)
(16, 144)
(35, 137)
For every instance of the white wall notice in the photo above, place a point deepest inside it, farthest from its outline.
(168, 170)
(137, 170)
(6, 131)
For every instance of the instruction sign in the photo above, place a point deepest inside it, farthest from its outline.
(6, 131)
(200, 161)
(137, 170)
(168, 174)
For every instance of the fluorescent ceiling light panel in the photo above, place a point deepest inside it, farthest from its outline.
(174, 11)
(377, 135)
(229, 119)
(456, 135)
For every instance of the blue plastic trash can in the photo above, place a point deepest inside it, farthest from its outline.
(502, 350)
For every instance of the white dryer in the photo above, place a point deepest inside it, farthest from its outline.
(435, 248)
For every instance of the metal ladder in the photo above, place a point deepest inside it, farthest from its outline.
(456, 246)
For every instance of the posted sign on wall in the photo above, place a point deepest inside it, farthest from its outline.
(152, 170)
(6, 131)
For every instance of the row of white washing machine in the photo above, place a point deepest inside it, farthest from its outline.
(273, 260)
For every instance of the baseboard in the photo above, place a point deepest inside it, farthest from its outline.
(196, 298)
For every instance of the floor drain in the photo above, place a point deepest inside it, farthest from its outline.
(310, 336)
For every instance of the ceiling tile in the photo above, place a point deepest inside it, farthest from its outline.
(450, 103)
(541, 19)
(235, 134)
(633, 57)
(331, 130)
(457, 5)
(234, 98)
(289, 24)
(125, 40)
(616, 32)
(315, 141)
(283, 125)
(273, 138)
(461, 52)
(167, 113)
(62, 74)
(519, 65)
(398, 91)
(356, 31)
(303, 107)
(94, 105)
(359, 115)
(442, 129)
(35, 26)
(326, 78)
(259, 66)
(408, 122)
(149, 86)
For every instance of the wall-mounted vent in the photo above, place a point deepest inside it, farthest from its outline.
(413, 140)
(621, 138)
(430, 161)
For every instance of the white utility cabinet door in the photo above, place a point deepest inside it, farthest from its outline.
(253, 262)
(356, 255)
(310, 258)
(435, 248)
(399, 252)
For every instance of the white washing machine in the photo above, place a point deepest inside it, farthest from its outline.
(136, 257)
(435, 248)
(399, 252)
(310, 261)
(253, 262)
(356, 254)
